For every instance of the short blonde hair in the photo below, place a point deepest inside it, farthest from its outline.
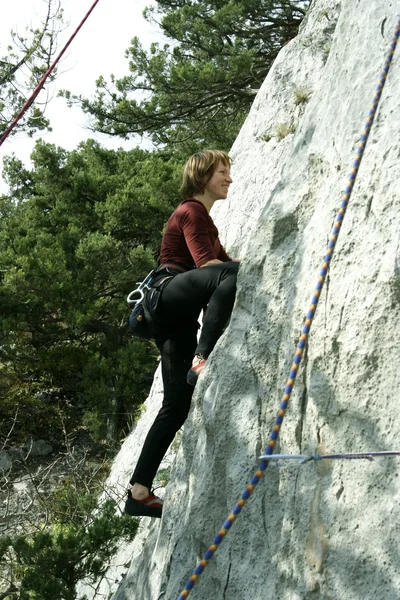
(199, 169)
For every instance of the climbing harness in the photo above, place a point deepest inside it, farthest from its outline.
(144, 320)
(41, 83)
(139, 291)
(139, 318)
(305, 458)
(305, 331)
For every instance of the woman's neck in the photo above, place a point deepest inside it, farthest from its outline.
(206, 200)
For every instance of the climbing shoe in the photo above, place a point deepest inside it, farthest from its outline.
(151, 506)
(199, 363)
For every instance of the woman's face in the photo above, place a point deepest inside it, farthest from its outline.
(217, 187)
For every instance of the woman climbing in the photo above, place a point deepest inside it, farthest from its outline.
(194, 274)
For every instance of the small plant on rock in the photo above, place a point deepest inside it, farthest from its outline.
(284, 129)
(266, 137)
(301, 95)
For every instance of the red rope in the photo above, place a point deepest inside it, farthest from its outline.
(41, 83)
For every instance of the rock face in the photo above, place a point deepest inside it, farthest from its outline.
(325, 530)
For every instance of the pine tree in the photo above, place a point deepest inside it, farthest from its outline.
(197, 89)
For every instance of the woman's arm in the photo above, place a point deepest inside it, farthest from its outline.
(194, 222)
(214, 261)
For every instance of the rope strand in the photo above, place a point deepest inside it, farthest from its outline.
(306, 327)
(41, 83)
(305, 458)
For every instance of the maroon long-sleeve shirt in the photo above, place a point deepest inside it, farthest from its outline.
(191, 237)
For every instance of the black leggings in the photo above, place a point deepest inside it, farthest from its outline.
(181, 302)
(212, 288)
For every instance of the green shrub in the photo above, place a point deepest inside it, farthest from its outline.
(49, 563)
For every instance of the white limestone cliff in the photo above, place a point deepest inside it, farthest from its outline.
(325, 530)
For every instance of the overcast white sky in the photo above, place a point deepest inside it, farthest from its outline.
(98, 49)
